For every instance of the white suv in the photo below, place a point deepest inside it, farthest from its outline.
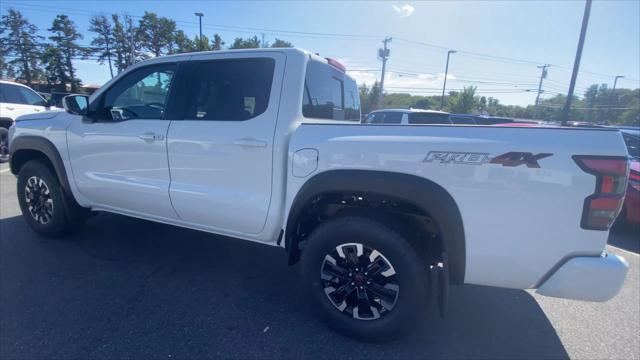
(15, 100)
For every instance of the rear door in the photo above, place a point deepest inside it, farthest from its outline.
(221, 152)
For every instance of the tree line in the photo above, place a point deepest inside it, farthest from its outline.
(598, 105)
(117, 41)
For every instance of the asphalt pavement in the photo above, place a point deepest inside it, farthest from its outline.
(127, 288)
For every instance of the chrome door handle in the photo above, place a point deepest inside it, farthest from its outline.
(10, 108)
(250, 143)
(151, 137)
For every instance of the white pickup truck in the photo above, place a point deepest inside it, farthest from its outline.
(265, 145)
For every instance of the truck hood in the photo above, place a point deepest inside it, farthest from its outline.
(49, 114)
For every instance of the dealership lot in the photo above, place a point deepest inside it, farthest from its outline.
(125, 288)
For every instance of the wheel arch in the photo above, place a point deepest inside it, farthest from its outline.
(25, 148)
(426, 195)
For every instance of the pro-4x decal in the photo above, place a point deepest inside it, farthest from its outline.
(510, 159)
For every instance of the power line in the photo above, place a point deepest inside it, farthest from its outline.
(366, 37)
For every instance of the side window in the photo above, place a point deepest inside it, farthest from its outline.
(428, 118)
(231, 90)
(11, 94)
(393, 118)
(141, 94)
(30, 97)
(329, 94)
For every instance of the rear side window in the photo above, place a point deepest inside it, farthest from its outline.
(329, 94)
(384, 118)
(462, 120)
(31, 97)
(428, 118)
(231, 90)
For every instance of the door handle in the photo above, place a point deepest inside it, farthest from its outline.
(10, 108)
(250, 143)
(151, 137)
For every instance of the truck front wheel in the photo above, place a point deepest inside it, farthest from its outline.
(365, 278)
(43, 202)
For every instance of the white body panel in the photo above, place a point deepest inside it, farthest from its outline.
(117, 169)
(240, 178)
(221, 171)
(518, 221)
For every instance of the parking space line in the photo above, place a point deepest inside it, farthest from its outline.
(4, 170)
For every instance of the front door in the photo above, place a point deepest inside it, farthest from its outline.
(119, 159)
(220, 154)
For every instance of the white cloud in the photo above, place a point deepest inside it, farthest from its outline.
(404, 11)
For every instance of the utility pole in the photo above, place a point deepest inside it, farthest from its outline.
(383, 55)
(262, 44)
(200, 15)
(543, 75)
(446, 72)
(613, 100)
(576, 63)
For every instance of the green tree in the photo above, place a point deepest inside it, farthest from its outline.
(104, 40)
(55, 68)
(369, 97)
(125, 41)
(65, 37)
(20, 41)
(281, 44)
(182, 43)
(249, 43)
(156, 33)
(464, 102)
(217, 43)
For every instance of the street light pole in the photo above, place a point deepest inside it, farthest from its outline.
(200, 15)
(446, 72)
(576, 63)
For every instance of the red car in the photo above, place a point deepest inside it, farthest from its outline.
(632, 201)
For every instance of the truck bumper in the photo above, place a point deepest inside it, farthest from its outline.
(587, 278)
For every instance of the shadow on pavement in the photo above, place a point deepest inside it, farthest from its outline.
(126, 288)
(625, 236)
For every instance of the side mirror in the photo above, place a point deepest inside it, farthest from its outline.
(76, 104)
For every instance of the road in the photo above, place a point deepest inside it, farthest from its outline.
(127, 288)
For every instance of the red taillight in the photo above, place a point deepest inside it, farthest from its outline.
(602, 207)
(336, 64)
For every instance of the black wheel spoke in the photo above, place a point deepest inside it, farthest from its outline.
(387, 294)
(336, 271)
(38, 199)
(342, 292)
(358, 281)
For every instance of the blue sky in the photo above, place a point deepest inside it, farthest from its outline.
(516, 35)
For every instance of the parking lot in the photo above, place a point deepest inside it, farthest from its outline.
(127, 288)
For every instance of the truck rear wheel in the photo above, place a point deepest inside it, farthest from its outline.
(365, 278)
(43, 202)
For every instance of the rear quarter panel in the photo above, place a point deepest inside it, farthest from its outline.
(519, 222)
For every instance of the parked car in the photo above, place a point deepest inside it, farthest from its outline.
(407, 117)
(266, 145)
(15, 100)
(471, 119)
(631, 211)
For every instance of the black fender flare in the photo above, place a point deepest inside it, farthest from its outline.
(44, 146)
(425, 194)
